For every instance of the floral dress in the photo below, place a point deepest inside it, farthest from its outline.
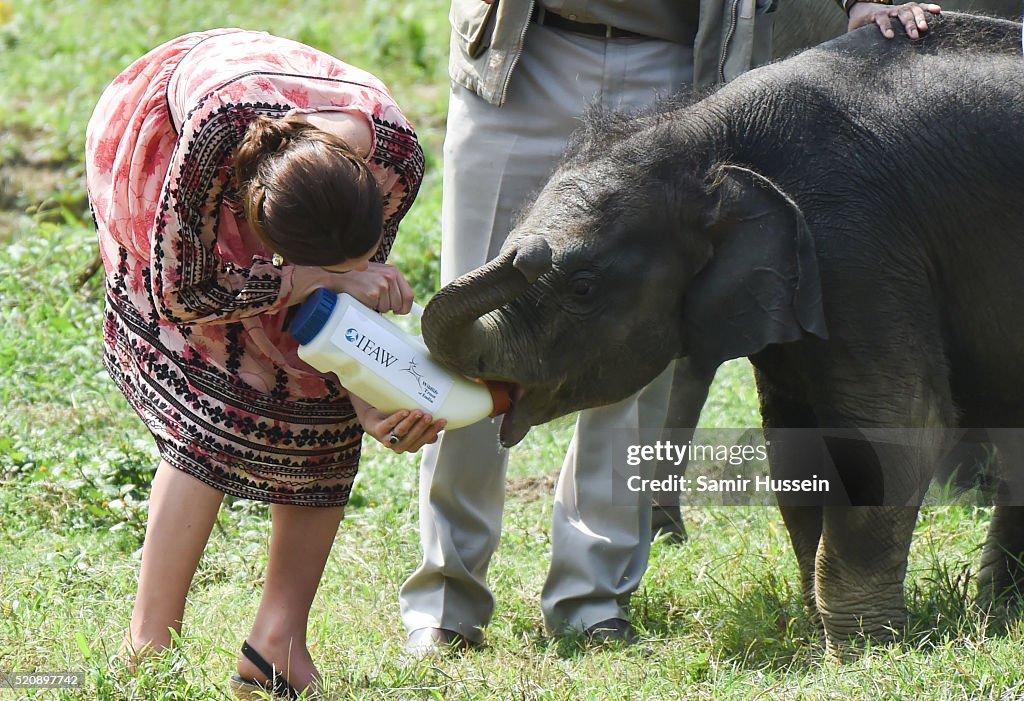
(194, 324)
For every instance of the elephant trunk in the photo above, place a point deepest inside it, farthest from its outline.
(452, 324)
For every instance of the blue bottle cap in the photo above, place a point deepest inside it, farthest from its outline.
(312, 314)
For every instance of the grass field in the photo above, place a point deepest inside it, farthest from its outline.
(720, 614)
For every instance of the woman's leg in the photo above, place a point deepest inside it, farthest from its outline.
(300, 541)
(182, 511)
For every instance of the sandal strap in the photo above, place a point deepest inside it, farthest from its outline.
(278, 683)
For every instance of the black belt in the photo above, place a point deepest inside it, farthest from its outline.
(606, 31)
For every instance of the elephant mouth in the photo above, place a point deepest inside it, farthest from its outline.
(531, 406)
(514, 425)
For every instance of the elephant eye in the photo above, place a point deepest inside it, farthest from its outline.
(582, 286)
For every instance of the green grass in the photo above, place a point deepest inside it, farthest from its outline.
(721, 613)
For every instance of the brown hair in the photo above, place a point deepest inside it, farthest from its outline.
(306, 193)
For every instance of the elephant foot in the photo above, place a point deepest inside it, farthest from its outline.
(998, 587)
(851, 623)
(846, 635)
(1001, 575)
(1000, 598)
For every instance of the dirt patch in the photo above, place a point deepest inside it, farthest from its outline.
(11, 222)
(532, 487)
(23, 185)
(30, 192)
(34, 185)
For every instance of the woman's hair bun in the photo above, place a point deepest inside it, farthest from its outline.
(263, 138)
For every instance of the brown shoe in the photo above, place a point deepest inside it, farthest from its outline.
(613, 630)
(430, 642)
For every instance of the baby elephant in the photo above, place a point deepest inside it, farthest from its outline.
(851, 220)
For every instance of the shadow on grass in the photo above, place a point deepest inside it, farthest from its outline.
(765, 625)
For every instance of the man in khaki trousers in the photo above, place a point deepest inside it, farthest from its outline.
(520, 86)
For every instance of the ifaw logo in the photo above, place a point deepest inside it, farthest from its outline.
(371, 349)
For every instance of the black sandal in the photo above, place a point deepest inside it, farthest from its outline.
(250, 688)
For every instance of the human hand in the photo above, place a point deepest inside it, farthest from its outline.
(380, 286)
(404, 431)
(911, 14)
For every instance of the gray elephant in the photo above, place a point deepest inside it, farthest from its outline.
(800, 24)
(850, 220)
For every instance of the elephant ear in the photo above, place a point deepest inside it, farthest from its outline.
(760, 285)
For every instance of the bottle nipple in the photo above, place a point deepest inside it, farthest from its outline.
(501, 396)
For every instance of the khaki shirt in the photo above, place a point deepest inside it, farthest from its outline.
(486, 41)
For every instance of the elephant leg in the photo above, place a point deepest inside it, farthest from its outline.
(861, 562)
(859, 572)
(788, 455)
(667, 521)
(804, 526)
(886, 418)
(797, 454)
(1001, 575)
(885, 465)
(687, 397)
(966, 466)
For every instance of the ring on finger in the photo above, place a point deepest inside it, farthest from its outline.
(394, 438)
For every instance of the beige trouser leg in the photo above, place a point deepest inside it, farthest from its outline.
(599, 543)
(494, 158)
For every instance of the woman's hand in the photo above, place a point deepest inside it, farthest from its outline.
(379, 287)
(404, 431)
(911, 14)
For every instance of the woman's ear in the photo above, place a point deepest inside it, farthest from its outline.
(761, 284)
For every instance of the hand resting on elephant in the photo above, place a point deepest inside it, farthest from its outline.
(863, 250)
(911, 15)
(800, 24)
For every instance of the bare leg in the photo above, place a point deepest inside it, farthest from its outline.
(182, 511)
(300, 542)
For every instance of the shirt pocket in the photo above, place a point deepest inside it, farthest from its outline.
(473, 22)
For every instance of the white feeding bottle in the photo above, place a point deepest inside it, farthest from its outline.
(385, 366)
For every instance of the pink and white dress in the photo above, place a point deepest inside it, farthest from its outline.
(194, 319)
